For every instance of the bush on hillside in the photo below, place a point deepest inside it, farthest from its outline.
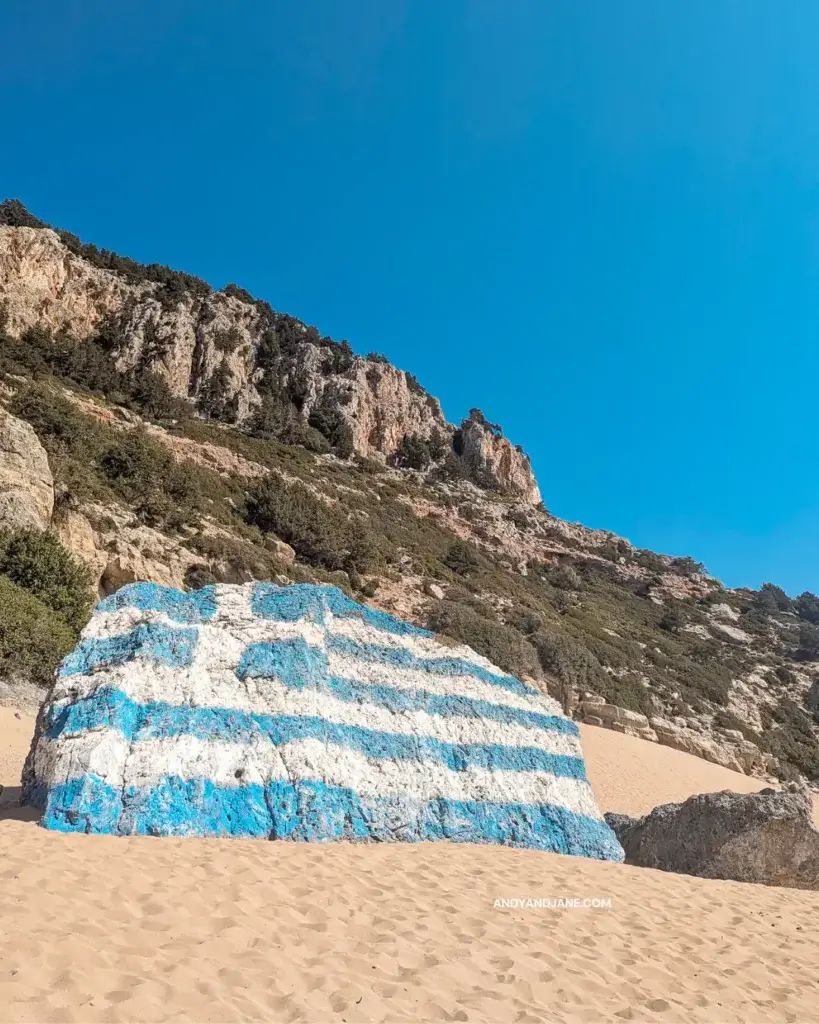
(672, 619)
(328, 420)
(502, 645)
(806, 607)
(564, 577)
(808, 649)
(39, 564)
(568, 661)
(789, 736)
(33, 637)
(772, 599)
(319, 533)
(462, 558)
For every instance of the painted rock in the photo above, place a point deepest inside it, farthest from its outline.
(296, 713)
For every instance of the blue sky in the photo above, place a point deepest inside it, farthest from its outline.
(598, 222)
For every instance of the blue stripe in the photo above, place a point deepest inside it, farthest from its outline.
(154, 641)
(311, 602)
(446, 706)
(310, 811)
(295, 662)
(112, 708)
(400, 657)
(300, 666)
(198, 606)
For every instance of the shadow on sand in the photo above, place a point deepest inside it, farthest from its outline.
(10, 809)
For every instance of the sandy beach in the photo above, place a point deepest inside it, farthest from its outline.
(104, 929)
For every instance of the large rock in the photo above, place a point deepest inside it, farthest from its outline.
(295, 713)
(26, 483)
(765, 837)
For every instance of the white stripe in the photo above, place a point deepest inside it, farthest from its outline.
(102, 752)
(349, 667)
(150, 761)
(422, 646)
(266, 696)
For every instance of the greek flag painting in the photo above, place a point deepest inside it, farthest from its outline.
(295, 713)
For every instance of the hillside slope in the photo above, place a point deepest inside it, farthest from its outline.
(177, 434)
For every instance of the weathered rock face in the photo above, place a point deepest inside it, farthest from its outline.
(494, 461)
(26, 484)
(124, 552)
(295, 713)
(729, 749)
(765, 837)
(217, 348)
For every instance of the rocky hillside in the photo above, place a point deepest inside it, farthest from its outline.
(234, 358)
(153, 429)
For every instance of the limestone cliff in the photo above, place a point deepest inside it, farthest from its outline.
(232, 355)
(26, 484)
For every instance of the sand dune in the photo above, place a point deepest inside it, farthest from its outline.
(99, 929)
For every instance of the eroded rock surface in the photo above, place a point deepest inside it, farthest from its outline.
(767, 837)
(26, 483)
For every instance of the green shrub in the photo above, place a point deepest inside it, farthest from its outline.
(772, 599)
(328, 420)
(412, 453)
(502, 645)
(318, 532)
(725, 719)
(33, 637)
(687, 566)
(789, 736)
(806, 607)
(564, 577)
(227, 340)
(570, 662)
(808, 649)
(462, 558)
(672, 620)
(650, 560)
(39, 564)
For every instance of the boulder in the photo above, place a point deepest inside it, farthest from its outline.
(766, 837)
(26, 483)
(295, 713)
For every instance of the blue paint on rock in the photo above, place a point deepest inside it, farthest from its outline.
(294, 662)
(311, 603)
(198, 606)
(153, 641)
(310, 811)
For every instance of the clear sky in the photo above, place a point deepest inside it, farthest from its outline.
(597, 221)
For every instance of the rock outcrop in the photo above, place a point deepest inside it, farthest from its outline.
(229, 353)
(727, 747)
(26, 483)
(765, 837)
(492, 460)
(295, 713)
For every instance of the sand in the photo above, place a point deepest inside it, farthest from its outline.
(98, 929)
